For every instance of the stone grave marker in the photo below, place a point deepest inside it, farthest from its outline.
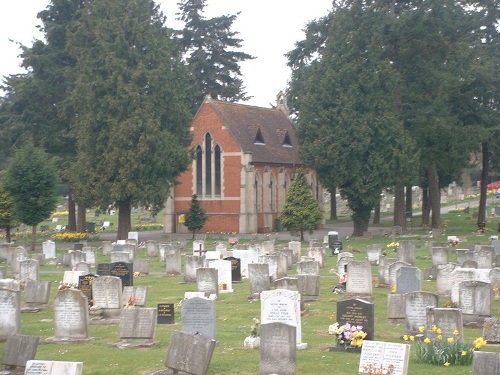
(90, 255)
(494, 277)
(207, 280)
(474, 299)
(485, 363)
(191, 264)
(83, 267)
(282, 306)
(142, 266)
(484, 257)
(406, 252)
(318, 254)
(189, 353)
(85, 285)
(296, 247)
(119, 256)
(245, 258)
(223, 267)
(106, 247)
(278, 349)
(165, 313)
(173, 261)
(10, 313)
(133, 236)
(416, 304)
(36, 294)
(139, 294)
(49, 249)
(408, 279)
(17, 256)
(198, 247)
(444, 279)
(463, 254)
(10, 284)
(395, 306)
(459, 275)
(393, 269)
(78, 246)
(383, 270)
(3, 272)
(103, 269)
(439, 256)
(359, 278)
(469, 263)
(4, 252)
(76, 256)
(491, 330)
(71, 278)
(213, 255)
(343, 260)
(258, 279)
(373, 253)
(308, 267)
(28, 270)
(235, 268)
(131, 250)
(125, 271)
(71, 317)
(19, 349)
(446, 319)
(137, 327)
(35, 367)
(308, 285)
(198, 317)
(288, 254)
(151, 249)
(107, 295)
(272, 261)
(378, 357)
(358, 312)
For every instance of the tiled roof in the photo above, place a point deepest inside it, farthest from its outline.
(245, 121)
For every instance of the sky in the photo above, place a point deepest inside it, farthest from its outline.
(269, 29)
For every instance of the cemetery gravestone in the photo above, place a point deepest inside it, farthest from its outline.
(308, 267)
(395, 306)
(119, 256)
(36, 294)
(416, 304)
(485, 363)
(406, 252)
(49, 249)
(224, 273)
(71, 278)
(137, 327)
(207, 281)
(393, 269)
(173, 261)
(71, 317)
(373, 253)
(259, 280)
(85, 286)
(198, 317)
(151, 249)
(474, 299)
(165, 313)
(359, 278)
(235, 268)
(125, 271)
(136, 295)
(383, 270)
(141, 266)
(272, 261)
(439, 256)
(357, 312)
(90, 255)
(408, 279)
(379, 357)
(35, 367)
(19, 349)
(107, 294)
(28, 270)
(103, 269)
(75, 257)
(106, 247)
(444, 280)
(191, 264)
(446, 319)
(10, 316)
(278, 349)
(83, 267)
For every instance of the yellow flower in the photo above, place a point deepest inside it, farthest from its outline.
(427, 340)
(439, 337)
(421, 329)
(456, 333)
(434, 328)
(438, 331)
(393, 289)
(464, 353)
(447, 364)
(450, 339)
(412, 338)
(405, 337)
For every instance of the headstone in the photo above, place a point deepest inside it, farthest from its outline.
(213, 255)
(357, 312)
(49, 249)
(207, 281)
(119, 256)
(125, 271)
(107, 292)
(17, 256)
(10, 317)
(4, 252)
(85, 286)
(19, 349)
(245, 258)
(173, 261)
(138, 324)
(308, 285)
(36, 367)
(416, 304)
(378, 357)
(393, 269)
(406, 252)
(278, 349)
(444, 279)
(308, 267)
(283, 306)
(71, 316)
(141, 266)
(463, 254)
(36, 293)
(224, 279)
(272, 261)
(198, 317)
(71, 278)
(258, 279)
(343, 260)
(28, 270)
(139, 294)
(198, 247)
(373, 253)
(235, 268)
(189, 353)
(395, 306)
(383, 270)
(103, 269)
(485, 363)
(296, 247)
(446, 319)
(359, 278)
(75, 257)
(130, 249)
(408, 279)
(459, 275)
(288, 283)
(106, 247)
(10, 284)
(165, 313)
(191, 264)
(474, 299)
(318, 254)
(288, 255)
(133, 236)
(90, 255)
(484, 257)
(491, 330)
(469, 263)
(439, 256)
(494, 277)
(78, 246)
(83, 267)
(151, 249)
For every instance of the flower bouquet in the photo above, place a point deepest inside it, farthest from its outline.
(347, 336)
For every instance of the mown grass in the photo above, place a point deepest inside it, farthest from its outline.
(235, 313)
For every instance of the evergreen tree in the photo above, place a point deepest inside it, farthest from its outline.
(300, 212)
(7, 211)
(32, 181)
(211, 51)
(196, 217)
(131, 99)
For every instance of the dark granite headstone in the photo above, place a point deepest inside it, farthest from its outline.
(235, 268)
(85, 285)
(358, 312)
(124, 271)
(103, 269)
(165, 313)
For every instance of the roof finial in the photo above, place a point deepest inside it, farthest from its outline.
(281, 103)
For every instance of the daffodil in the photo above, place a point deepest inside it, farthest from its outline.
(412, 338)
(427, 340)
(439, 337)
(464, 353)
(456, 333)
(434, 328)
(405, 337)
(438, 331)
(450, 340)
(447, 364)
(421, 329)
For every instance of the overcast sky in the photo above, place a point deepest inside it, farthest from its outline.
(269, 29)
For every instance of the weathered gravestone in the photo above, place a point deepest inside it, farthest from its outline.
(359, 279)
(119, 256)
(406, 252)
(485, 363)
(378, 357)
(191, 264)
(245, 257)
(19, 349)
(444, 279)
(474, 299)
(439, 256)
(383, 270)
(318, 254)
(207, 281)
(90, 255)
(173, 261)
(343, 260)
(484, 257)
(416, 304)
(272, 261)
(224, 275)
(107, 295)
(446, 319)
(35, 367)
(278, 349)
(137, 328)
(393, 269)
(28, 270)
(106, 247)
(49, 249)
(103, 269)
(36, 295)
(408, 279)
(10, 284)
(395, 306)
(308, 285)
(83, 267)
(357, 312)
(71, 278)
(16, 256)
(165, 313)
(308, 268)
(141, 266)
(373, 253)
(135, 295)
(151, 249)
(10, 313)
(76, 256)
(491, 330)
(71, 317)
(198, 317)
(189, 353)
(258, 279)
(494, 277)
(469, 263)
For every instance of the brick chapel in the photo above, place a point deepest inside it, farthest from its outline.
(245, 158)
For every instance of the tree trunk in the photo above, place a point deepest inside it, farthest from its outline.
(7, 234)
(33, 237)
(425, 207)
(434, 196)
(409, 200)
(361, 219)
(376, 214)
(333, 203)
(481, 217)
(301, 235)
(81, 222)
(399, 205)
(71, 213)
(124, 219)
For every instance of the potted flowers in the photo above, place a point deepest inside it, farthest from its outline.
(346, 337)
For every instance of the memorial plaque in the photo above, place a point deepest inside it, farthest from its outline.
(165, 313)
(125, 271)
(357, 312)
(35, 367)
(379, 357)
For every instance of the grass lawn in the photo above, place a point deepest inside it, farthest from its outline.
(235, 313)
